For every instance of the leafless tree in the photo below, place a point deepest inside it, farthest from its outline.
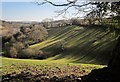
(84, 7)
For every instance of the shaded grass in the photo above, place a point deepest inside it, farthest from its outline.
(82, 45)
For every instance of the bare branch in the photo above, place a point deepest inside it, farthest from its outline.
(41, 3)
(64, 11)
(65, 4)
(46, 1)
(82, 5)
(74, 1)
(69, 4)
(83, 9)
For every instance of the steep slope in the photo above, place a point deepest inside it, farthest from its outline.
(79, 44)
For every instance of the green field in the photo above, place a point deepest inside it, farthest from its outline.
(12, 68)
(10, 65)
(81, 45)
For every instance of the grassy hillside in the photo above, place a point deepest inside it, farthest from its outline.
(80, 45)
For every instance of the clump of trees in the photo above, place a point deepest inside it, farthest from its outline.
(75, 21)
(16, 45)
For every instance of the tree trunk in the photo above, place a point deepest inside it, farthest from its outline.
(115, 61)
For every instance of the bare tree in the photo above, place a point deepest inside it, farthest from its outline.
(94, 10)
(69, 4)
(97, 10)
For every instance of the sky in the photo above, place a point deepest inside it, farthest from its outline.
(26, 11)
(30, 11)
(18, 10)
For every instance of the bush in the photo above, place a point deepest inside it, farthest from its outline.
(6, 49)
(41, 55)
(12, 49)
(30, 53)
(18, 46)
(13, 52)
(27, 53)
(12, 40)
(75, 21)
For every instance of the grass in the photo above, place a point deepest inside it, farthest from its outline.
(12, 65)
(22, 70)
(82, 45)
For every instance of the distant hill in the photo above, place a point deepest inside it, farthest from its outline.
(12, 27)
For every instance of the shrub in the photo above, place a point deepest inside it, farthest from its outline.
(12, 40)
(23, 29)
(27, 53)
(21, 37)
(75, 21)
(13, 52)
(41, 55)
(30, 53)
(6, 48)
(18, 46)
(12, 49)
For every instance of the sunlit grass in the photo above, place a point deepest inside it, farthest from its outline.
(44, 44)
(10, 65)
(82, 44)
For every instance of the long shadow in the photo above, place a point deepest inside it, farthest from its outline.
(83, 55)
(85, 52)
(85, 49)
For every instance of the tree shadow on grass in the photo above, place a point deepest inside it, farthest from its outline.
(102, 75)
(86, 53)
